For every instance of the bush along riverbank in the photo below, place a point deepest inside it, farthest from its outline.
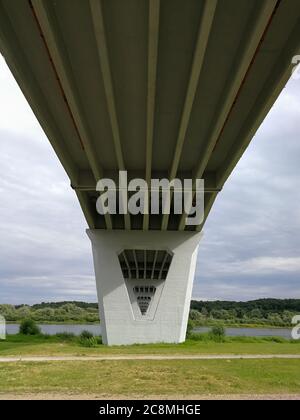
(30, 332)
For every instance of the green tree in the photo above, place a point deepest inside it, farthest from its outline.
(204, 312)
(9, 312)
(29, 327)
(23, 311)
(196, 317)
(255, 313)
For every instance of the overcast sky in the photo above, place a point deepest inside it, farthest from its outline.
(251, 243)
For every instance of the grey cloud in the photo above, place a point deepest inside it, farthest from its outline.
(251, 239)
(253, 229)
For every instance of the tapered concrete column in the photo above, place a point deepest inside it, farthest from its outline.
(144, 284)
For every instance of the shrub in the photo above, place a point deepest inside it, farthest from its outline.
(217, 333)
(218, 330)
(190, 327)
(88, 342)
(86, 334)
(29, 327)
(199, 337)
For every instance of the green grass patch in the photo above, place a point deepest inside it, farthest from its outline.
(160, 378)
(68, 344)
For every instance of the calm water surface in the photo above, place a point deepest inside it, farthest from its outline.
(96, 330)
(59, 328)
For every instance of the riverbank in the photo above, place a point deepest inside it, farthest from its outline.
(95, 329)
(20, 345)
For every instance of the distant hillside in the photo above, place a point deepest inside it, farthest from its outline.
(266, 305)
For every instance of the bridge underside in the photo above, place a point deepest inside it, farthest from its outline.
(161, 89)
(165, 88)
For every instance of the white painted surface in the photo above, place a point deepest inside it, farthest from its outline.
(119, 323)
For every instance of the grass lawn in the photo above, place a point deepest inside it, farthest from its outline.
(138, 378)
(146, 378)
(16, 345)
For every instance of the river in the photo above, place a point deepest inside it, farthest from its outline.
(52, 329)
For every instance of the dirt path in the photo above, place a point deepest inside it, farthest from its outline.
(146, 357)
(94, 396)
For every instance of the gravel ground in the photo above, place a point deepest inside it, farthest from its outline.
(146, 357)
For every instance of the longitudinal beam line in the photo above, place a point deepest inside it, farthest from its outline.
(207, 208)
(127, 264)
(153, 37)
(43, 112)
(145, 264)
(136, 263)
(20, 68)
(154, 264)
(49, 125)
(162, 266)
(281, 74)
(51, 35)
(245, 59)
(99, 30)
(198, 60)
(255, 32)
(86, 208)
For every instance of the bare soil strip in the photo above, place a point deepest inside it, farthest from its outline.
(146, 357)
(94, 396)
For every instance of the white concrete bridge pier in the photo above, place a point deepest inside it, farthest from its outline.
(144, 284)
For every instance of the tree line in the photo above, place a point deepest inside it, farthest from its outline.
(276, 312)
(67, 312)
